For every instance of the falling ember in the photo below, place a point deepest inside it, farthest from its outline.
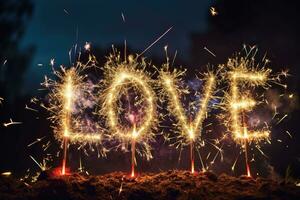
(87, 46)
(28, 108)
(11, 122)
(209, 51)
(190, 130)
(36, 141)
(213, 11)
(121, 77)
(52, 62)
(6, 173)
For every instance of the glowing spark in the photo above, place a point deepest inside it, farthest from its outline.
(36, 141)
(121, 187)
(1, 100)
(43, 168)
(52, 62)
(282, 119)
(285, 73)
(289, 134)
(209, 51)
(6, 173)
(87, 46)
(123, 17)
(80, 165)
(66, 11)
(28, 108)
(4, 63)
(33, 100)
(213, 11)
(155, 41)
(234, 164)
(11, 122)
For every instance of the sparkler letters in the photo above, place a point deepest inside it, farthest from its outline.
(190, 129)
(241, 72)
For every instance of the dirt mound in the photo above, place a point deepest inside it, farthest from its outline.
(146, 186)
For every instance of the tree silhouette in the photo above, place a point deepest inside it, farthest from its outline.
(14, 61)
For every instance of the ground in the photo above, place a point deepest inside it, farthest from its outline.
(164, 185)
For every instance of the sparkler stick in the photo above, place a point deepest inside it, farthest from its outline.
(189, 130)
(192, 156)
(123, 75)
(242, 70)
(132, 156)
(246, 147)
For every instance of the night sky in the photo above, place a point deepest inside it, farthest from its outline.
(58, 25)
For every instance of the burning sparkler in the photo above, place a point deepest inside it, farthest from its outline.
(190, 130)
(246, 73)
(123, 77)
(63, 99)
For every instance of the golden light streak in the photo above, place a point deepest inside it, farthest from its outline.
(282, 119)
(11, 122)
(28, 108)
(213, 11)
(41, 166)
(6, 173)
(36, 141)
(209, 51)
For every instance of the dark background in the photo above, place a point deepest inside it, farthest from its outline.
(33, 32)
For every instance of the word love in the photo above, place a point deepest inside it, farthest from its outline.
(123, 75)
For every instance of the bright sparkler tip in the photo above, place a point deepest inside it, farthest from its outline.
(56, 172)
(132, 174)
(135, 134)
(191, 135)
